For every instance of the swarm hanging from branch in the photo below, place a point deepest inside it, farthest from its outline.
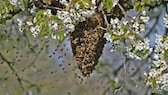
(87, 43)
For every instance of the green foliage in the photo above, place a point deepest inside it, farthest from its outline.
(166, 53)
(3, 36)
(37, 87)
(111, 82)
(25, 3)
(83, 4)
(143, 4)
(108, 4)
(153, 81)
(5, 8)
(45, 20)
(166, 42)
(61, 35)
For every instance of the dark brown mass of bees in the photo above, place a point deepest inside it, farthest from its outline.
(87, 43)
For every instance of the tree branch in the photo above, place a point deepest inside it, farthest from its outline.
(9, 63)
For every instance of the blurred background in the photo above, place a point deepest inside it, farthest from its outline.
(44, 66)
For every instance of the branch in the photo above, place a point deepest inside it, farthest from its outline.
(32, 49)
(124, 61)
(40, 5)
(9, 63)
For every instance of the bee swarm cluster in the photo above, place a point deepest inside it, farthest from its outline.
(87, 43)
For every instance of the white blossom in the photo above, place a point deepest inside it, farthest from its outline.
(165, 45)
(125, 22)
(53, 36)
(29, 23)
(144, 17)
(136, 50)
(20, 24)
(159, 71)
(47, 12)
(55, 26)
(35, 30)
(64, 2)
(34, 20)
(13, 2)
(115, 2)
(114, 21)
(71, 27)
(166, 20)
(94, 2)
(108, 37)
(136, 25)
(142, 28)
(144, 12)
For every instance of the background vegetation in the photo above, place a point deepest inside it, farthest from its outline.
(36, 57)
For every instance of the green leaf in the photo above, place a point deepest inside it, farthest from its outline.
(166, 53)
(38, 89)
(89, 2)
(61, 35)
(124, 27)
(81, 4)
(118, 38)
(113, 84)
(153, 83)
(10, 7)
(39, 14)
(36, 86)
(144, 51)
(109, 5)
(25, 3)
(3, 11)
(137, 5)
(74, 1)
(31, 86)
(151, 3)
(45, 30)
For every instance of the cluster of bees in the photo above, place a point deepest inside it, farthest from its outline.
(87, 43)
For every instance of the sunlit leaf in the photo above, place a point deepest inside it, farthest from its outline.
(31, 86)
(109, 5)
(137, 5)
(61, 35)
(113, 84)
(153, 83)
(25, 3)
(10, 7)
(89, 2)
(34, 86)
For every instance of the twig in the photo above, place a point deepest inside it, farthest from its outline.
(41, 5)
(124, 60)
(106, 21)
(12, 68)
(32, 49)
(124, 12)
(136, 71)
(29, 44)
(51, 7)
(122, 9)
